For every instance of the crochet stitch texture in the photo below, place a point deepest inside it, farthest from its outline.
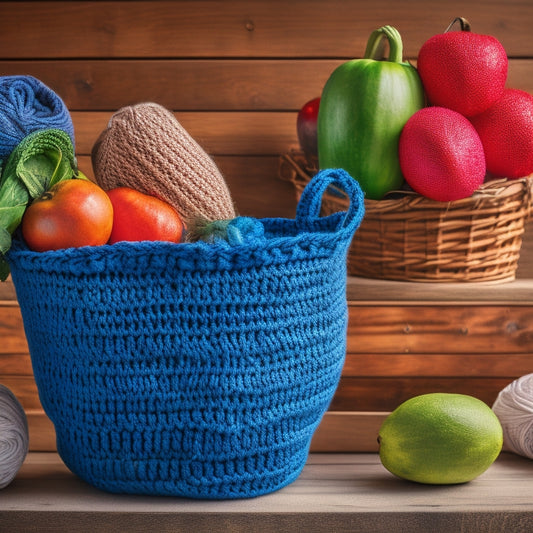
(196, 369)
(146, 147)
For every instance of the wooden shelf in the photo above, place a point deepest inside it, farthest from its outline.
(335, 492)
(363, 291)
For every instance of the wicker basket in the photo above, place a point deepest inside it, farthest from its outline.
(408, 237)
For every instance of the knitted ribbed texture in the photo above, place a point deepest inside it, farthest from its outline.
(28, 105)
(14, 436)
(146, 148)
(196, 369)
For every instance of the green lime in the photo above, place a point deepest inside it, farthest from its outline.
(440, 438)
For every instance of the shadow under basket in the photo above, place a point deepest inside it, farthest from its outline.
(407, 237)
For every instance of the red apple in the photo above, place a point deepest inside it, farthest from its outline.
(306, 126)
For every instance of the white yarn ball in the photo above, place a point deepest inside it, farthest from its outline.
(14, 436)
(514, 408)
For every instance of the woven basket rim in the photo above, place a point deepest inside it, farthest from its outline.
(404, 199)
(409, 237)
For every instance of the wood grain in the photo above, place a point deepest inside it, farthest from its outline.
(15, 364)
(275, 28)
(354, 431)
(271, 85)
(435, 329)
(41, 431)
(334, 492)
(241, 133)
(24, 388)
(466, 365)
(385, 394)
(12, 331)
(180, 84)
(367, 292)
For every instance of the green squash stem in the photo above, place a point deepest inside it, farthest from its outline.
(377, 40)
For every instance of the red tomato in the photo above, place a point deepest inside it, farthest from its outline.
(141, 217)
(72, 213)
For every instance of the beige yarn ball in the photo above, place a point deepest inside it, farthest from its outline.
(145, 148)
(514, 408)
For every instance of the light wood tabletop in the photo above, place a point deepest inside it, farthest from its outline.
(334, 493)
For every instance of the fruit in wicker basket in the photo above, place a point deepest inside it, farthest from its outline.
(463, 70)
(364, 105)
(306, 127)
(440, 438)
(140, 217)
(506, 131)
(441, 154)
(73, 213)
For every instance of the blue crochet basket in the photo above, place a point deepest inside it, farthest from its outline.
(196, 370)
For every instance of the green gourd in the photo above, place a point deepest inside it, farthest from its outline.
(364, 105)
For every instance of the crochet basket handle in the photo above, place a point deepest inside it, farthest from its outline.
(308, 210)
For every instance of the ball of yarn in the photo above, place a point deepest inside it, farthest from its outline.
(28, 105)
(14, 437)
(514, 408)
(239, 230)
(146, 148)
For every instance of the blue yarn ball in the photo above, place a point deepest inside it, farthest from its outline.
(28, 105)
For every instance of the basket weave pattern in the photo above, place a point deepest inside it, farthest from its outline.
(408, 237)
(197, 369)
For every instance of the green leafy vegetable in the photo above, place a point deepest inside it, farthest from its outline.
(40, 160)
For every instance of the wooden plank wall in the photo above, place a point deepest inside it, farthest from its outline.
(235, 73)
